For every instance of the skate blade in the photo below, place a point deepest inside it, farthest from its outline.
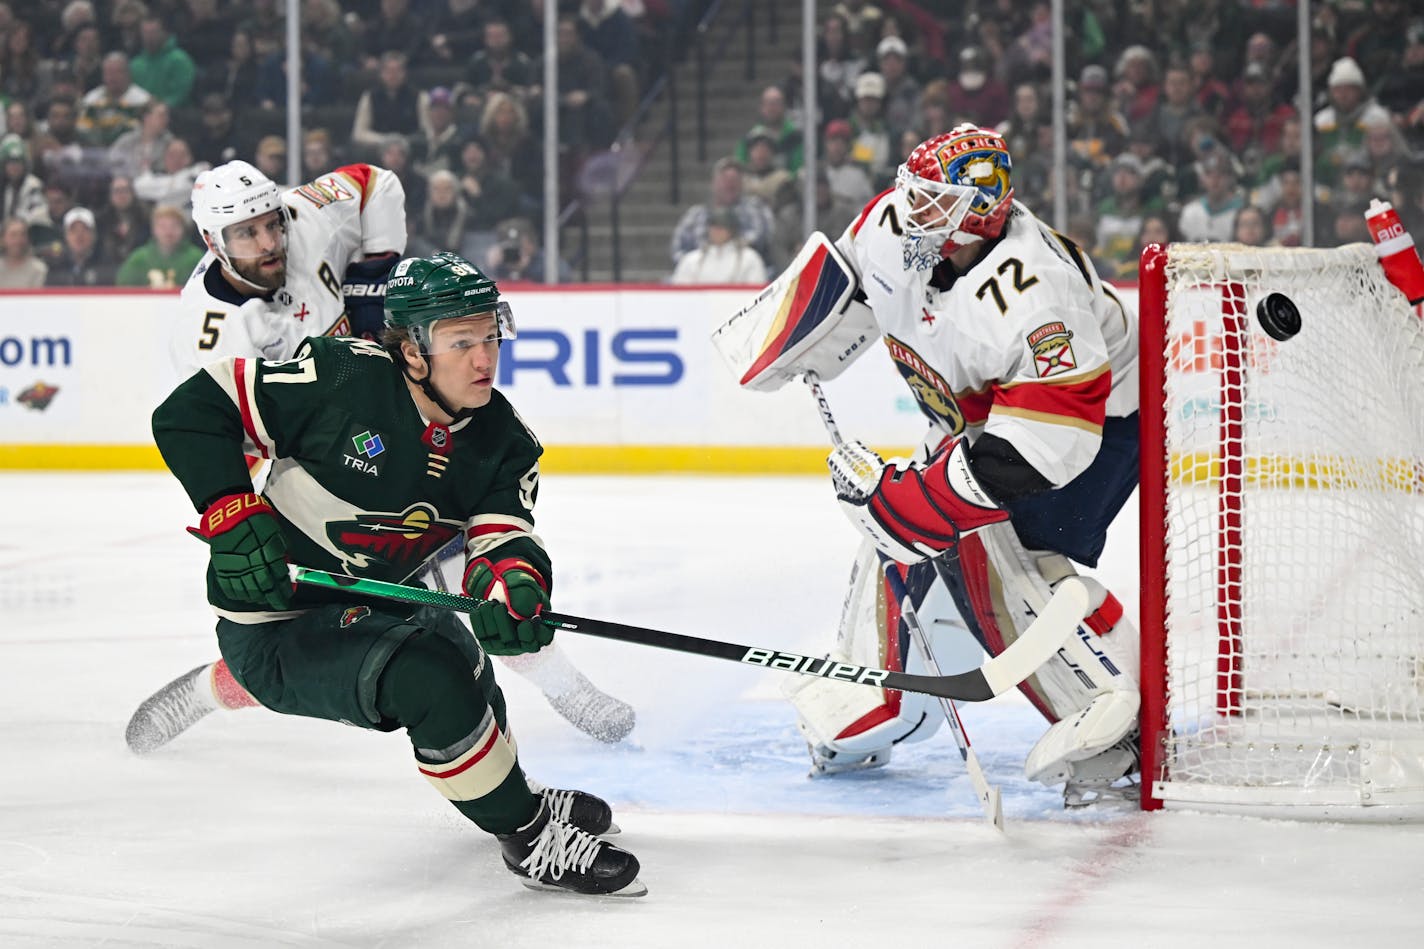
(634, 888)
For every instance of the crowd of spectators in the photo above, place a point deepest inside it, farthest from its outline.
(113, 107)
(1181, 118)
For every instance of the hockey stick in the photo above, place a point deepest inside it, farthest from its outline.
(996, 676)
(989, 795)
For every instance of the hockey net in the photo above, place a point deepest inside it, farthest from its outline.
(1282, 534)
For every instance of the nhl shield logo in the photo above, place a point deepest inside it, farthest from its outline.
(354, 615)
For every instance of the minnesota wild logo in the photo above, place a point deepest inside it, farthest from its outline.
(397, 544)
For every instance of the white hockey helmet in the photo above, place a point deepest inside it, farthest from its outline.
(229, 194)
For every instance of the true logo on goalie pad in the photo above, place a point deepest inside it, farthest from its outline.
(825, 668)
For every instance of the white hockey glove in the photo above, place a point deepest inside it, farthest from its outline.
(908, 510)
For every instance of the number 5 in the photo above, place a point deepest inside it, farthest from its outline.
(211, 330)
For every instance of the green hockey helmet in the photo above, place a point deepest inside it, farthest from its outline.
(421, 291)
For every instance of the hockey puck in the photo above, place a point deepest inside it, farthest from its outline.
(1278, 316)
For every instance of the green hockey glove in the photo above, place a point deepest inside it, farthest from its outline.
(249, 554)
(508, 622)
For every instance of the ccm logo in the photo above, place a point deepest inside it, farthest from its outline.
(825, 668)
(625, 358)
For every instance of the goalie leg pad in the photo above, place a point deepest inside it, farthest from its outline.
(854, 720)
(1099, 726)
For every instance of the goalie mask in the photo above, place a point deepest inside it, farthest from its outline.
(958, 190)
(229, 196)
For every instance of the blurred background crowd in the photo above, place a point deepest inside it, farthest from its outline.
(1182, 122)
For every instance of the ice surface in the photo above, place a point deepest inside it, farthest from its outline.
(258, 830)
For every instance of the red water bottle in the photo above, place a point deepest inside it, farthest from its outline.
(1395, 248)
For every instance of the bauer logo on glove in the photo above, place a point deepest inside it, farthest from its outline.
(912, 511)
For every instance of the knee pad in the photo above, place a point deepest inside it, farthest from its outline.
(428, 688)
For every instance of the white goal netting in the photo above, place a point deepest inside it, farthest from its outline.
(1292, 546)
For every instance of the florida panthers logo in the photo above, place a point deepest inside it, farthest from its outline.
(393, 544)
(931, 391)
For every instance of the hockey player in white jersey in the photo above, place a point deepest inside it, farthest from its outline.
(282, 266)
(1025, 364)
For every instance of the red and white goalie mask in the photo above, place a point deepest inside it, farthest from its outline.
(958, 190)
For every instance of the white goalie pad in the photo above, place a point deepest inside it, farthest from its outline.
(807, 320)
(853, 720)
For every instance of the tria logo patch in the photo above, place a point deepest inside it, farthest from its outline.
(354, 615)
(368, 444)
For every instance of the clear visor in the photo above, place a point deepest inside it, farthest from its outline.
(936, 207)
(257, 237)
(461, 333)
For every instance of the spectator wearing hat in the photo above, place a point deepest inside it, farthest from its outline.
(217, 139)
(162, 67)
(974, 92)
(114, 106)
(722, 257)
(1212, 215)
(20, 269)
(1340, 126)
(21, 193)
(847, 180)
(1254, 127)
(773, 118)
(755, 223)
(871, 145)
(437, 147)
(81, 263)
(1120, 213)
(1096, 130)
(902, 90)
(165, 262)
(763, 176)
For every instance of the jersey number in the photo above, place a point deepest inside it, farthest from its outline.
(328, 279)
(211, 330)
(1020, 282)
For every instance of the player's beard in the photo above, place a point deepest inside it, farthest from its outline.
(268, 278)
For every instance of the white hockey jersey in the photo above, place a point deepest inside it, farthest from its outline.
(1028, 344)
(337, 219)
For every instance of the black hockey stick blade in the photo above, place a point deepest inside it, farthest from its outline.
(997, 675)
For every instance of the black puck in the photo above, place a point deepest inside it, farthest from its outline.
(1278, 316)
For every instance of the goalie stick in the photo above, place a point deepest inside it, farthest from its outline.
(994, 677)
(989, 796)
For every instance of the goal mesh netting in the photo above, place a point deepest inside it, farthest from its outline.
(1283, 531)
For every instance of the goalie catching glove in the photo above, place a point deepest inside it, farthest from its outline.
(908, 510)
(248, 552)
(508, 623)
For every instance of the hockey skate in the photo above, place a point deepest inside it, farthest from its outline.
(170, 711)
(1107, 779)
(549, 854)
(826, 761)
(588, 812)
(594, 712)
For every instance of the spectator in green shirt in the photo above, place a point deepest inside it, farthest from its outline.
(165, 262)
(162, 68)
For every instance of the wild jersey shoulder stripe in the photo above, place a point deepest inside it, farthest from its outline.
(238, 380)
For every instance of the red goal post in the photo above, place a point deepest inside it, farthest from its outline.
(1282, 535)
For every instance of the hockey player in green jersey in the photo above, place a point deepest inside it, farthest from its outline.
(381, 453)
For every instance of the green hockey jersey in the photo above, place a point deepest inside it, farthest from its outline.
(362, 483)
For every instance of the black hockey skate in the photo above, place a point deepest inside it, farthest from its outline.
(170, 711)
(588, 812)
(552, 855)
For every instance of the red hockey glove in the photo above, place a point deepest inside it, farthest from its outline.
(908, 510)
(508, 624)
(249, 554)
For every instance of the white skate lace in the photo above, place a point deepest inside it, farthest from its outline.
(560, 847)
(561, 803)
